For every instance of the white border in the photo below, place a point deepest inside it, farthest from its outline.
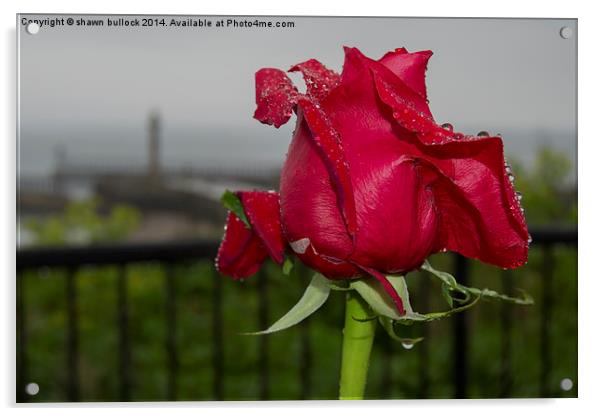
(589, 148)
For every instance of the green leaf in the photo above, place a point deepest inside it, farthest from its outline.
(388, 325)
(315, 295)
(374, 294)
(287, 266)
(232, 202)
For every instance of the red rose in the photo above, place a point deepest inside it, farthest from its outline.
(372, 185)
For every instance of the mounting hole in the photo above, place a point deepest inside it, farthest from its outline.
(566, 384)
(32, 389)
(566, 32)
(33, 28)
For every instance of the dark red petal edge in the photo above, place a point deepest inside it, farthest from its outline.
(332, 268)
(241, 252)
(408, 114)
(275, 96)
(263, 211)
(328, 142)
(318, 79)
(387, 286)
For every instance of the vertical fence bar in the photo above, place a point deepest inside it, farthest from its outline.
(171, 342)
(263, 312)
(218, 340)
(506, 338)
(306, 353)
(387, 376)
(423, 347)
(125, 381)
(546, 279)
(460, 335)
(72, 337)
(21, 340)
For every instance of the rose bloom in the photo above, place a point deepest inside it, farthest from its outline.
(372, 185)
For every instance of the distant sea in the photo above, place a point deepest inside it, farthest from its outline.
(40, 149)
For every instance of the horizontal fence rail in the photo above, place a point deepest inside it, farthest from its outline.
(171, 254)
(115, 254)
(182, 250)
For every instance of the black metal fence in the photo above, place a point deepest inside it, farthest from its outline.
(71, 259)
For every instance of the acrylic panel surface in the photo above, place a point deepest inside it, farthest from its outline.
(131, 127)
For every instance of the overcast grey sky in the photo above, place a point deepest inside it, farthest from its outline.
(92, 88)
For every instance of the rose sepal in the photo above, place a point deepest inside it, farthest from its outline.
(450, 284)
(389, 327)
(313, 298)
(232, 203)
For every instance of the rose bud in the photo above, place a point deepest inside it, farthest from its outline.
(372, 185)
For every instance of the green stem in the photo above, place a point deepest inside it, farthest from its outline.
(357, 344)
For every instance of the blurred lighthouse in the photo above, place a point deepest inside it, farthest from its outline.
(154, 146)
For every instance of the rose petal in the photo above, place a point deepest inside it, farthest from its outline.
(475, 169)
(476, 218)
(382, 180)
(372, 140)
(409, 112)
(331, 267)
(241, 252)
(397, 218)
(263, 211)
(409, 67)
(360, 117)
(353, 65)
(328, 142)
(356, 62)
(319, 79)
(275, 96)
(308, 201)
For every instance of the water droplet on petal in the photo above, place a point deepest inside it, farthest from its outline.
(519, 196)
(483, 133)
(530, 239)
(447, 126)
